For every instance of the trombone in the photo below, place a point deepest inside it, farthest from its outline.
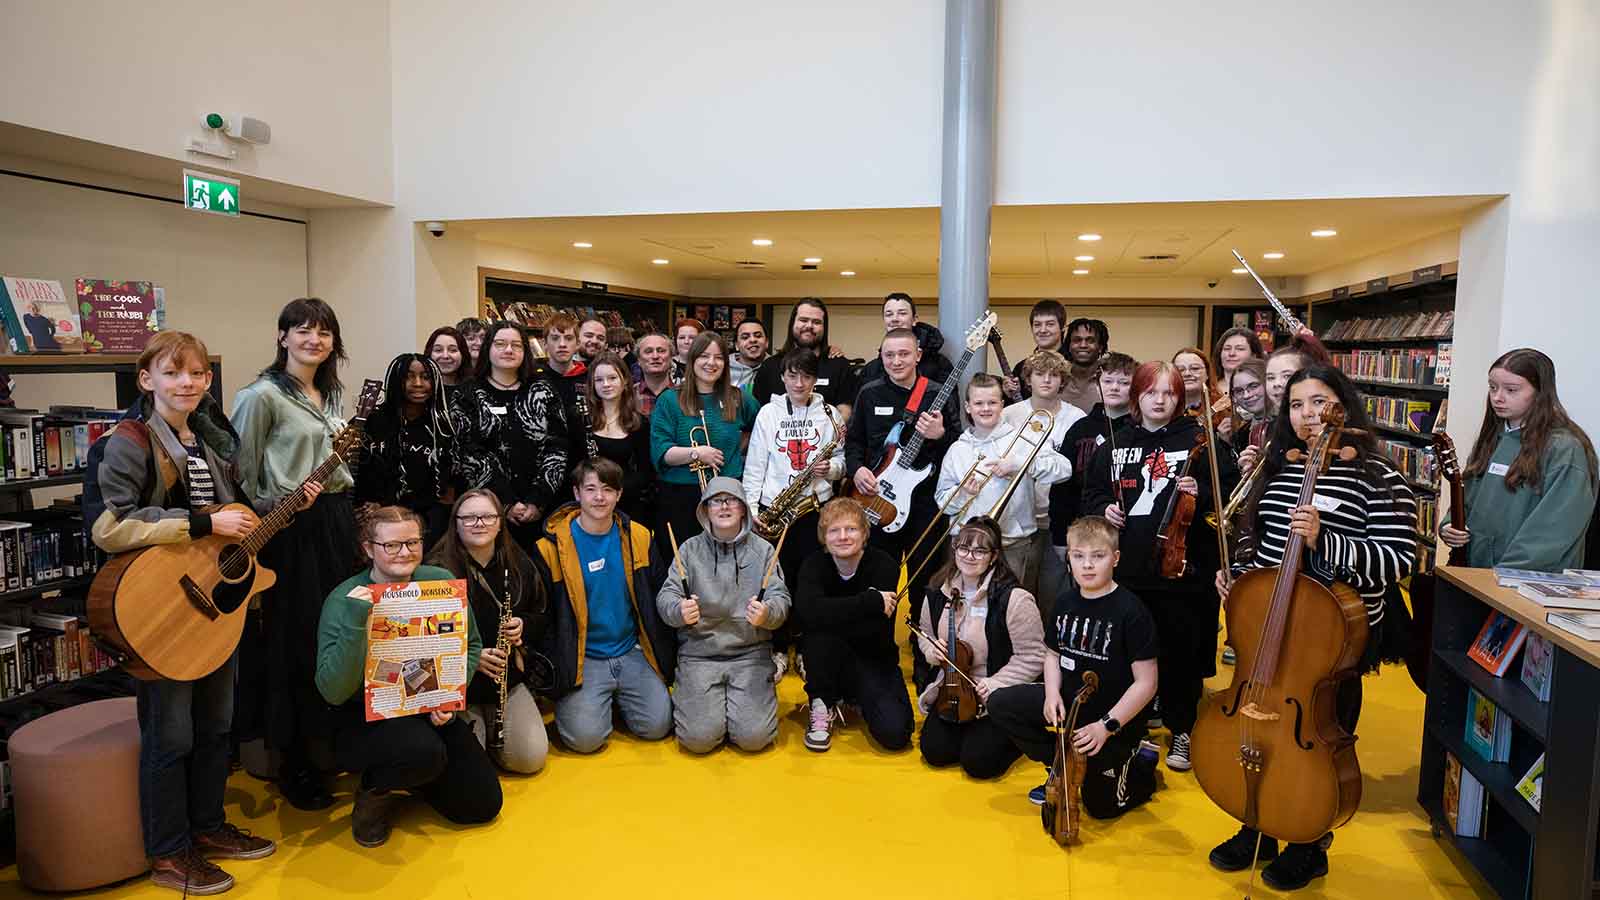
(698, 466)
(1039, 422)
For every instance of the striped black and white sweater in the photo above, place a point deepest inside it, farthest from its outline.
(1369, 532)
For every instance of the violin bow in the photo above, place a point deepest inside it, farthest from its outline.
(1111, 438)
(947, 660)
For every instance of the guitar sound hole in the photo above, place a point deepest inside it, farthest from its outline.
(233, 562)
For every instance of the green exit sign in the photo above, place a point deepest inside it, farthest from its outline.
(204, 192)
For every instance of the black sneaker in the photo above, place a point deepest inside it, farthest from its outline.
(305, 791)
(1233, 854)
(369, 821)
(1298, 865)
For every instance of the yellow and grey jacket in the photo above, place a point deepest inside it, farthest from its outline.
(136, 493)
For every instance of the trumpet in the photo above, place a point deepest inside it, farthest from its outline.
(697, 466)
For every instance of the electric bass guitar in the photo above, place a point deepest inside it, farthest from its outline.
(891, 506)
(177, 611)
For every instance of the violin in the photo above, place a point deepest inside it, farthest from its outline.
(1269, 750)
(957, 701)
(1172, 541)
(1061, 789)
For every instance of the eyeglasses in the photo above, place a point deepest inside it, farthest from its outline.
(973, 552)
(1246, 390)
(722, 500)
(393, 547)
(488, 519)
(506, 345)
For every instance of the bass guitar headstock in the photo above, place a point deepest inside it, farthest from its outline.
(979, 332)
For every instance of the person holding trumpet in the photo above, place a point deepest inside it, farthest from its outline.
(995, 469)
(725, 598)
(698, 431)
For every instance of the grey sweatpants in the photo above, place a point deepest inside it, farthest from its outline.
(732, 698)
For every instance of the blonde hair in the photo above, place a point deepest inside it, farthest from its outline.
(1093, 531)
(1045, 362)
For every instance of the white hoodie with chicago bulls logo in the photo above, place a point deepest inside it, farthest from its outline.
(784, 442)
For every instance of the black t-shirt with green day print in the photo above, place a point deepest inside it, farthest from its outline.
(1104, 635)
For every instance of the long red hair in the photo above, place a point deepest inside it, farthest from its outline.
(1148, 376)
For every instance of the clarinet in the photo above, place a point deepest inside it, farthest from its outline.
(582, 407)
(497, 724)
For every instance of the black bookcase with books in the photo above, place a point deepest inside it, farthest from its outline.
(1522, 849)
(1392, 336)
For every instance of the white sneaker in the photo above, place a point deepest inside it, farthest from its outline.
(800, 664)
(1178, 756)
(780, 661)
(819, 735)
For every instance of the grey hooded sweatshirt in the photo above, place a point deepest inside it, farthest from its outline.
(723, 576)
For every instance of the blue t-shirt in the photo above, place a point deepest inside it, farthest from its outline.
(612, 631)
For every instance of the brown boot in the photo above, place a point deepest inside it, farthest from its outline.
(369, 821)
(189, 872)
(229, 842)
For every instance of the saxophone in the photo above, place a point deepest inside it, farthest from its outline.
(496, 740)
(797, 499)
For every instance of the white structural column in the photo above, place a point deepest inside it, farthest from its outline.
(967, 185)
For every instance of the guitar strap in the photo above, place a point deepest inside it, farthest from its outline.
(915, 400)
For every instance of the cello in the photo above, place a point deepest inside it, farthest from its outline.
(1060, 809)
(1269, 750)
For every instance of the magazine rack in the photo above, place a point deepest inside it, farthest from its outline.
(1546, 853)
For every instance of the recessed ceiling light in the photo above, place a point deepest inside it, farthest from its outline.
(1273, 255)
(582, 245)
(1080, 271)
(660, 262)
(1324, 232)
(1241, 271)
(847, 273)
(1089, 236)
(762, 242)
(1084, 258)
(812, 259)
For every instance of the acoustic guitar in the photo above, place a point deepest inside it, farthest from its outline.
(177, 611)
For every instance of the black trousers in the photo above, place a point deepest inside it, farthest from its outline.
(836, 674)
(676, 504)
(982, 749)
(799, 543)
(1186, 625)
(446, 765)
(1115, 781)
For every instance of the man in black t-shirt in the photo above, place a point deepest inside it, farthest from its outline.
(1098, 626)
(836, 376)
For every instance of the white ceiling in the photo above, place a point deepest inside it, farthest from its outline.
(1028, 241)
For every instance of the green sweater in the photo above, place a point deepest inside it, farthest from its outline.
(342, 635)
(1527, 529)
(669, 428)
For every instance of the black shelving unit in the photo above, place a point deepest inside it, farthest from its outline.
(1401, 386)
(1402, 432)
(1524, 852)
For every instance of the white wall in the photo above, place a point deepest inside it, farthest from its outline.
(142, 75)
(225, 279)
(1432, 250)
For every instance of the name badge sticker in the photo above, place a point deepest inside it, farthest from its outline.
(498, 410)
(822, 382)
(597, 565)
(883, 410)
(1499, 469)
(1069, 664)
(1325, 503)
(981, 612)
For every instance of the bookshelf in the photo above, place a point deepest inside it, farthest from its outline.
(1392, 336)
(511, 295)
(1524, 852)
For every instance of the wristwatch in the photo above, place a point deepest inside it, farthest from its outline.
(1112, 725)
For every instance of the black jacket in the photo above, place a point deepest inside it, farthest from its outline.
(1139, 451)
(933, 365)
(485, 591)
(858, 618)
(879, 406)
(836, 380)
(1078, 445)
(995, 629)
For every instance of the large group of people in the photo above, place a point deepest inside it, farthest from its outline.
(661, 531)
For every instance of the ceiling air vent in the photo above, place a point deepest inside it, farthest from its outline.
(1159, 257)
(808, 267)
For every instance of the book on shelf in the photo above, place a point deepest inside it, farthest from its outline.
(1531, 786)
(1583, 624)
(1497, 643)
(1509, 577)
(38, 317)
(1590, 575)
(118, 316)
(1563, 596)
(1538, 661)
(1466, 803)
(1488, 731)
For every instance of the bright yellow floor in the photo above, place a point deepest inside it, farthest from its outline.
(644, 820)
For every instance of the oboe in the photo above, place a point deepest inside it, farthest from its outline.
(585, 421)
(497, 725)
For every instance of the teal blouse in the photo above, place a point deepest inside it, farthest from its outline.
(669, 428)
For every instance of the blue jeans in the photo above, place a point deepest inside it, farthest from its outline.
(583, 717)
(183, 757)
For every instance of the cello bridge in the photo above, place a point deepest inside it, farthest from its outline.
(1254, 711)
